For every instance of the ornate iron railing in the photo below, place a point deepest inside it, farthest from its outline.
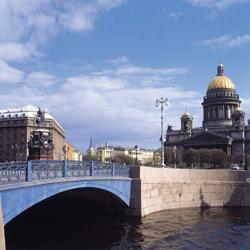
(47, 170)
(26, 171)
(79, 168)
(13, 172)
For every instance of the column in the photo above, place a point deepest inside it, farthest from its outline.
(204, 114)
(2, 238)
(229, 150)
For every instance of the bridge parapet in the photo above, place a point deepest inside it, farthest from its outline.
(27, 171)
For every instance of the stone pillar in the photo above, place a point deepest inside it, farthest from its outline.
(2, 238)
(135, 199)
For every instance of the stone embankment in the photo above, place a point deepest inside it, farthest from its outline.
(157, 189)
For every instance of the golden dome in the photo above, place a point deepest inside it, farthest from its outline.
(221, 81)
(186, 114)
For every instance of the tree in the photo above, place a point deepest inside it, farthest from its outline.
(191, 157)
(90, 157)
(218, 157)
(204, 156)
(123, 159)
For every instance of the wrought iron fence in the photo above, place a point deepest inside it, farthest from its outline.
(26, 171)
(13, 172)
(79, 168)
(47, 170)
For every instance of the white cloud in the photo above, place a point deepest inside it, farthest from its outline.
(129, 70)
(216, 4)
(147, 70)
(119, 60)
(110, 107)
(175, 15)
(40, 79)
(9, 74)
(227, 41)
(16, 51)
(28, 22)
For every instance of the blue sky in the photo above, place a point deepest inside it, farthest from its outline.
(99, 65)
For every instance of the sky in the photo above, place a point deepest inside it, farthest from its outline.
(99, 65)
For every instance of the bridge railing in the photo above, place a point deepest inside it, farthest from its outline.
(27, 171)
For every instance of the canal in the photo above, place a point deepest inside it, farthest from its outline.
(64, 224)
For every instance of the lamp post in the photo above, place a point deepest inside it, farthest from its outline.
(174, 151)
(161, 102)
(243, 150)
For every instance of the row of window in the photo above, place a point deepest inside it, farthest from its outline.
(222, 93)
(13, 122)
(12, 116)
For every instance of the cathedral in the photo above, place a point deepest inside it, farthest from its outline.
(223, 125)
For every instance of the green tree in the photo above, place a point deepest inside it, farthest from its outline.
(123, 159)
(204, 156)
(191, 157)
(218, 157)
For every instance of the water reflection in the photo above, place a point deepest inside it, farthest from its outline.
(193, 228)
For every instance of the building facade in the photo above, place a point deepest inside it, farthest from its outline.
(223, 124)
(72, 154)
(106, 153)
(16, 127)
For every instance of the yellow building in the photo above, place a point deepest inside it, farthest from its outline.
(73, 154)
(69, 152)
(105, 153)
(77, 155)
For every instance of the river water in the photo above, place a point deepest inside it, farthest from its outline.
(193, 228)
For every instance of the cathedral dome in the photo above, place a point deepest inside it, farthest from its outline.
(221, 81)
(186, 114)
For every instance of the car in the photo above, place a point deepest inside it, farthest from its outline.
(234, 166)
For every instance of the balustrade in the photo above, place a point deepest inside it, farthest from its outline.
(27, 171)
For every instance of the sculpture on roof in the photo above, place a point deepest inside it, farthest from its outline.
(40, 117)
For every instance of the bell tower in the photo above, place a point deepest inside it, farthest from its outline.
(186, 122)
(238, 117)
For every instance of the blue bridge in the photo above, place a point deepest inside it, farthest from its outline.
(24, 184)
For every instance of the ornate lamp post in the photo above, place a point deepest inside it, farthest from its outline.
(161, 102)
(174, 151)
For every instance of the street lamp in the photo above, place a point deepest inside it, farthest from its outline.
(174, 151)
(161, 102)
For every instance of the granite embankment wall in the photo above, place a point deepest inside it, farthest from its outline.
(2, 239)
(157, 189)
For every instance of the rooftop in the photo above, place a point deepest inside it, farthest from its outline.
(29, 111)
